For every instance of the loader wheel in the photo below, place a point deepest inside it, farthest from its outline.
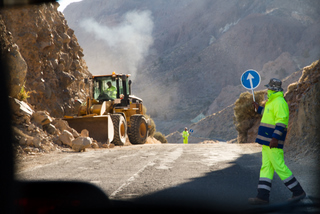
(138, 131)
(120, 129)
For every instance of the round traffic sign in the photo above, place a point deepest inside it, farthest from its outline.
(191, 131)
(250, 79)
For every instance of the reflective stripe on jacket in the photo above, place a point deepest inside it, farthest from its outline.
(274, 122)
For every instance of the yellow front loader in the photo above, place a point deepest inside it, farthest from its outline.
(112, 113)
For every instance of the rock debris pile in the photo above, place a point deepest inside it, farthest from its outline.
(37, 131)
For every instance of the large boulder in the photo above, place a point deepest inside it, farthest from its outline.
(81, 143)
(42, 118)
(63, 125)
(66, 138)
(84, 133)
(18, 70)
(37, 142)
(20, 108)
(51, 129)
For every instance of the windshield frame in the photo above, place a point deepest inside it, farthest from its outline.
(100, 87)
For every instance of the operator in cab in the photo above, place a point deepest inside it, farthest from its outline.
(111, 90)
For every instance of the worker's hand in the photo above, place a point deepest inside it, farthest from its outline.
(255, 105)
(273, 143)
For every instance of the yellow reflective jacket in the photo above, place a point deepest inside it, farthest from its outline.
(112, 92)
(275, 118)
(185, 134)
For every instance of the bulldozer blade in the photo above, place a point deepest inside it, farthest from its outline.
(100, 127)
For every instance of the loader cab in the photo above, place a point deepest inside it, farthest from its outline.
(111, 87)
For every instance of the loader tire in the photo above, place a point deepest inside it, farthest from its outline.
(138, 132)
(120, 129)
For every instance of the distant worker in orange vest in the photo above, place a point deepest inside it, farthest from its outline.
(185, 135)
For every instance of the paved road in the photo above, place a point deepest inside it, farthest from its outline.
(206, 174)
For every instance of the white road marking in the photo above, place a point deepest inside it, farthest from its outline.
(130, 180)
(169, 157)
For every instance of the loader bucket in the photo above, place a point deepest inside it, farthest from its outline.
(100, 127)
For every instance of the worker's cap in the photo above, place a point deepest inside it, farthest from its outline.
(185, 128)
(274, 85)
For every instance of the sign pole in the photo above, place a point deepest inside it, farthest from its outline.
(250, 77)
(254, 99)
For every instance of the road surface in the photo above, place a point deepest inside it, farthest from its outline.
(207, 174)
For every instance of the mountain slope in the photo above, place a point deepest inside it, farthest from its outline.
(199, 49)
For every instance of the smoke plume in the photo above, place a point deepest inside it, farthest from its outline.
(125, 44)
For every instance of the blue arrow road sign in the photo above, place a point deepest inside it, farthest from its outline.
(250, 79)
(191, 131)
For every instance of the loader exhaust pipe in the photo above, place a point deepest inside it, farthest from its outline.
(130, 82)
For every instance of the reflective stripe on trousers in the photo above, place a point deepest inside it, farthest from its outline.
(273, 160)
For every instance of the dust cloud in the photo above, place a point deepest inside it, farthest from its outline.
(126, 44)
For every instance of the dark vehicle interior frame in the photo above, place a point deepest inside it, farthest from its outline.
(62, 196)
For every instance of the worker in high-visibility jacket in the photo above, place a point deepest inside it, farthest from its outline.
(271, 134)
(111, 91)
(185, 135)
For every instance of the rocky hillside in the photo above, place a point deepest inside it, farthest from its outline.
(46, 80)
(46, 58)
(304, 103)
(199, 49)
(47, 75)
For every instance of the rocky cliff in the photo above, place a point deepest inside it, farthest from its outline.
(47, 73)
(304, 103)
(44, 54)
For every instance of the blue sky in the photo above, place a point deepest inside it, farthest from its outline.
(64, 4)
